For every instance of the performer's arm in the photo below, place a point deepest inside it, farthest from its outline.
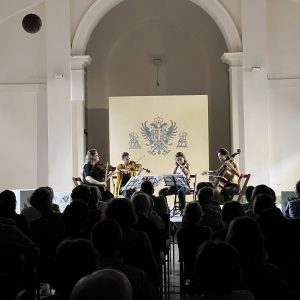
(91, 180)
(187, 171)
(234, 167)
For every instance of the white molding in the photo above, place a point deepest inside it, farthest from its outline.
(233, 59)
(100, 7)
(79, 62)
(23, 88)
(224, 21)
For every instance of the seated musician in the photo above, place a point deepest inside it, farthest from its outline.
(181, 167)
(127, 169)
(94, 173)
(231, 187)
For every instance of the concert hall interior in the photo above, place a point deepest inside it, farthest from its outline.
(115, 93)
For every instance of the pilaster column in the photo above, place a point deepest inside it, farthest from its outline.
(59, 113)
(78, 65)
(234, 61)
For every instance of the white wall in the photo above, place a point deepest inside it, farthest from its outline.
(18, 130)
(284, 93)
(284, 138)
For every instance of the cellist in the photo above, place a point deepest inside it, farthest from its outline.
(231, 186)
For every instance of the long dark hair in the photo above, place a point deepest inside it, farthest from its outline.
(180, 154)
(90, 155)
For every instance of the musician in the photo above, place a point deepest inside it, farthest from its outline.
(93, 174)
(231, 187)
(127, 169)
(181, 167)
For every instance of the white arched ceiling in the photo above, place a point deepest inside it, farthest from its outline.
(100, 7)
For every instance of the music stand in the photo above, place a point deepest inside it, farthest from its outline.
(153, 179)
(178, 181)
(136, 182)
(132, 184)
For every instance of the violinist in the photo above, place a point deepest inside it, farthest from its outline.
(231, 187)
(181, 167)
(127, 169)
(94, 173)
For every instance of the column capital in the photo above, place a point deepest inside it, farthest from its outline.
(79, 62)
(233, 59)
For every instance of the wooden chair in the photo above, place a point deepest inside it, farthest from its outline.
(243, 181)
(77, 181)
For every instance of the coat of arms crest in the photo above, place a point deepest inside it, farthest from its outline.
(158, 134)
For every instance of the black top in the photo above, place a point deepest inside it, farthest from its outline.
(94, 172)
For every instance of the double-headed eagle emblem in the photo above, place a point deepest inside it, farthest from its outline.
(158, 134)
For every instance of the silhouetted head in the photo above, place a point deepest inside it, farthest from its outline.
(248, 192)
(205, 195)
(105, 284)
(9, 202)
(262, 202)
(122, 211)
(81, 192)
(147, 187)
(217, 267)
(41, 199)
(73, 260)
(107, 237)
(298, 188)
(232, 210)
(192, 214)
(141, 203)
(246, 236)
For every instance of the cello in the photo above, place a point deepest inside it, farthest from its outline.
(223, 175)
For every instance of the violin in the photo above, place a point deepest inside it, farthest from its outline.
(102, 166)
(133, 166)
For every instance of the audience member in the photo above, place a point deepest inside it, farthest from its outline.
(73, 260)
(263, 280)
(142, 204)
(191, 236)
(18, 259)
(107, 240)
(248, 193)
(230, 211)
(211, 209)
(106, 284)
(9, 202)
(218, 273)
(136, 247)
(292, 209)
(47, 231)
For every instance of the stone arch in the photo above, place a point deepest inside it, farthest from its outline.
(100, 7)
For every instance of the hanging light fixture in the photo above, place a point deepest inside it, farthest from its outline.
(157, 61)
